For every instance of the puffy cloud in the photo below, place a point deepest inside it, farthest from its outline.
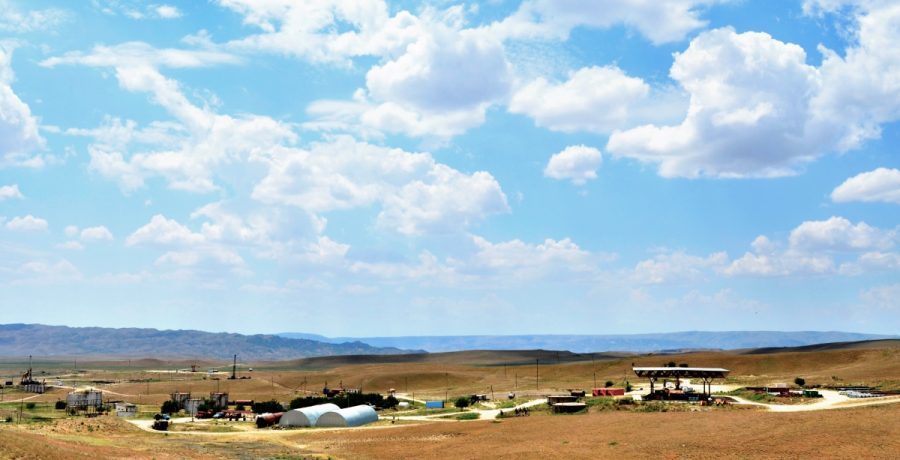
(417, 194)
(309, 30)
(839, 234)
(14, 20)
(592, 99)
(488, 262)
(27, 223)
(661, 21)
(812, 248)
(444, 200)
(446, 70)
(98, 233)
(167, 12)
(785, 263)
(676, 266)
(163, 231)
(519, 260)
(871, 262)
(193, 147)
(19, 136)
(577, 163)
(758, 110)
(860, 90)
(40, 271)
(439, 86)
(880, 185)
(750, 99)
(10, 191)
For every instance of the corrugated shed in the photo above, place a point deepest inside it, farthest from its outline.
(351, 416)
(306, 416)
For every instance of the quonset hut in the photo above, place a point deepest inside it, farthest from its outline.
(351, 416)
(306, 416)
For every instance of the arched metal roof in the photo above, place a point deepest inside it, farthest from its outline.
(351, 416)
(306, 416)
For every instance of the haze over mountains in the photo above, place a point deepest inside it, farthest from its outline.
(725, 340)
(41, 340)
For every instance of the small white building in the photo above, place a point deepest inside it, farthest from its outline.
(306, 416)
(84, 399)
(351, 416)
(126, 410)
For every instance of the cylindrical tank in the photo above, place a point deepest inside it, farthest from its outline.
(268, 419)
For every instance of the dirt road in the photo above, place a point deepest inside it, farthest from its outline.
(830, 400)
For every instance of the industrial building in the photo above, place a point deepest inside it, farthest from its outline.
(306, 416)
(126, 409)
(349, 417)
(84, 399)
(192, 405)
(181, 398)
(218, 400)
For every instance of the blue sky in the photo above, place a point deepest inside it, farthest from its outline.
(401, 168)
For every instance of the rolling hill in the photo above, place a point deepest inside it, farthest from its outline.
(41, 340)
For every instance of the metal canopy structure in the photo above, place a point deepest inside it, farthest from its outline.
(705, 374)
(681, 372)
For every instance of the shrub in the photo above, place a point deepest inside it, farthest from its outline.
(30, 406)
(9, 419)
(609, 383)
(344, 400)
(653, 406)
(170, 407)
(239, 407)
(468, 416)
(800, 381)
(462, 402)
(628, 386)
(267, 406)
(60, 405)
(390, 402)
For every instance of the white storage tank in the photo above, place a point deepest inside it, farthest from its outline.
(351, 416)
(305, 416)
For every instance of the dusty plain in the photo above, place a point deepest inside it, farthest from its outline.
(682, 431)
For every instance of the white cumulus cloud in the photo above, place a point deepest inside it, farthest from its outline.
(880, 185)
(10, 192)
(19, 136)
(27, 223)
(592, 99)
(98, 233)
(577, 163)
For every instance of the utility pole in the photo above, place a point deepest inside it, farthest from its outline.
(516, 382)
(537, 374)
(595, 379)
(447, 390)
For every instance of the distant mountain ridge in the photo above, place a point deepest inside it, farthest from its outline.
(689, 340)
(41, 340)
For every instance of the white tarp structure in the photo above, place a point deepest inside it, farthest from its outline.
(305, 416)
(351, 416)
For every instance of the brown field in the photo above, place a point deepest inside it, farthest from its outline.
(870, 432)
